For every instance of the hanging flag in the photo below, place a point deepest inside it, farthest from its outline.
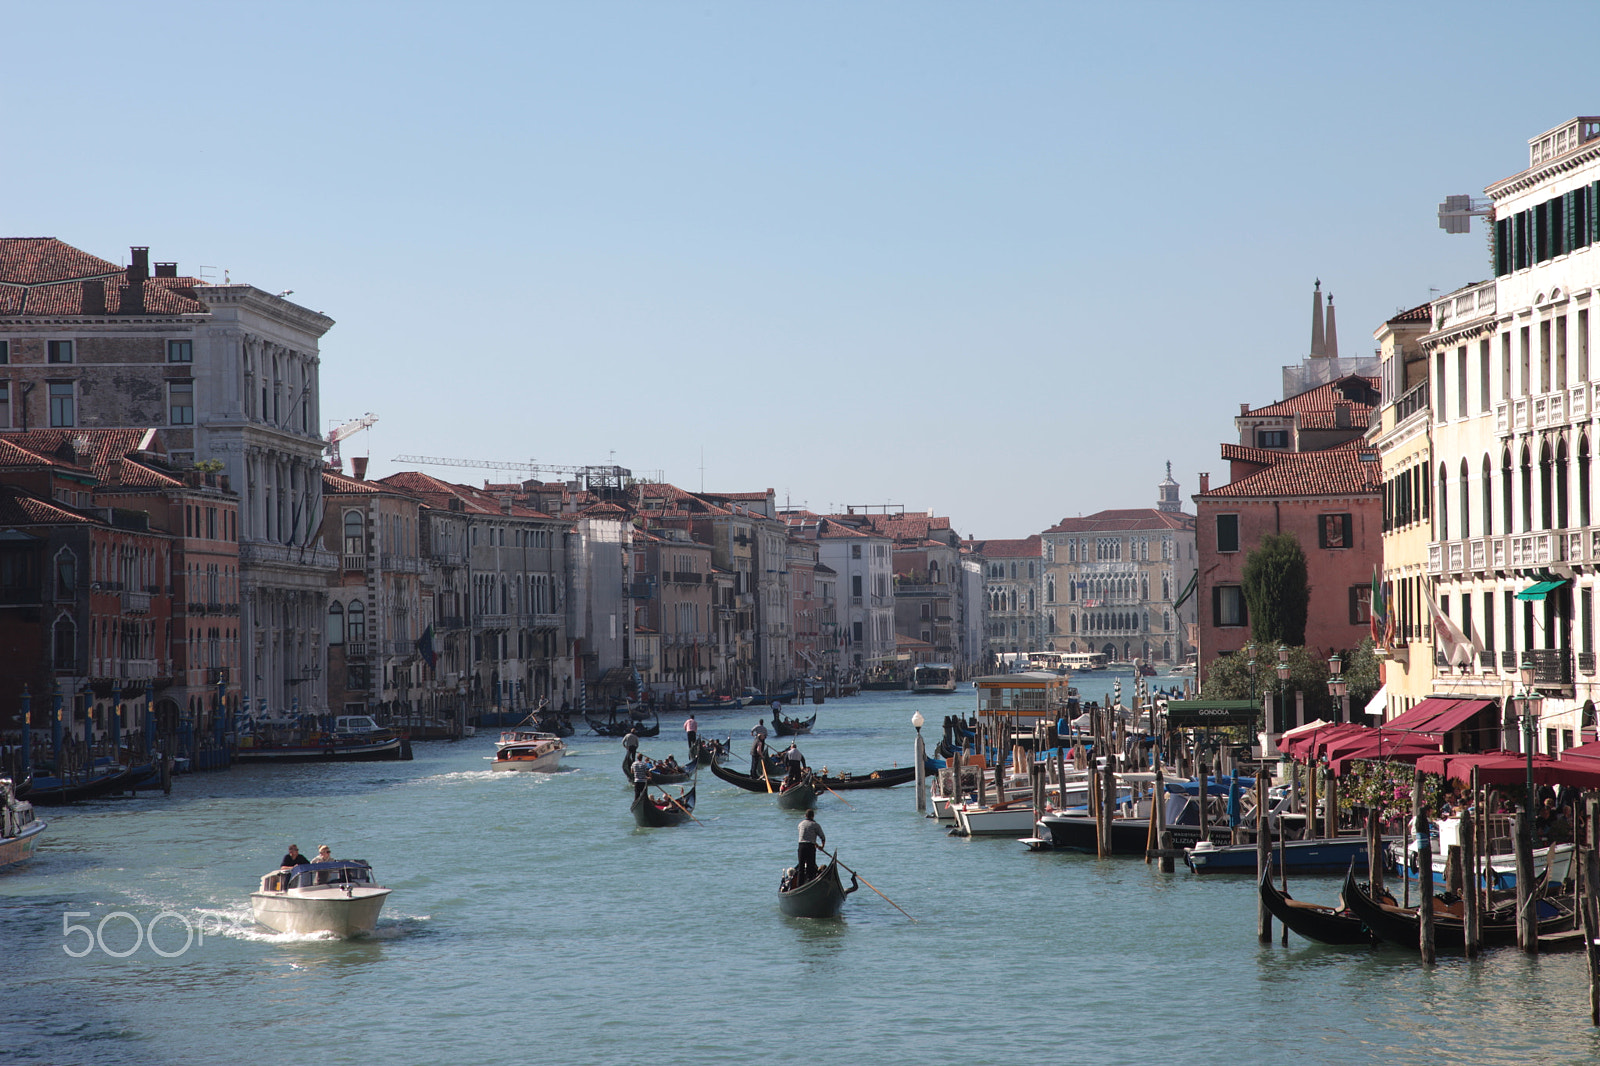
(1188, 590)
(1379, 611)
(1458, 648)
(425, 647)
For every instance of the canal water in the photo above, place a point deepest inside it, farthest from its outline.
(531, 920)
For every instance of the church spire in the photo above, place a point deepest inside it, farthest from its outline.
(1318, 345)
(1331, 345)
(1168, 500)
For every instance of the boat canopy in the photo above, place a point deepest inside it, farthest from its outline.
(337, 872)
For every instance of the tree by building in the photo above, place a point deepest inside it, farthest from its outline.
(1277, 591)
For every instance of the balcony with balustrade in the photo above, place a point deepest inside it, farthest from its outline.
(1551, 410)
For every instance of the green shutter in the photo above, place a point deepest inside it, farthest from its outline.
(1569, 211)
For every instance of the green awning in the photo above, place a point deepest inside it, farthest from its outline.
(1539, 590)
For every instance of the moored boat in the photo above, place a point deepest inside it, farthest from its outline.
(1325, 925)
(353, 738)
(1400, 925)
(651, 812)
(49, 790)
(529, 751)
(19, 829)
(1318, 855)
(337, 897)
(821, 897)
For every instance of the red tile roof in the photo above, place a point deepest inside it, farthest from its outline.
(1340, 471)
(19, 508)
(437, 493)
(1325, 398)
(337, 484)
(52, 447)
(1419, 313)
(1128, 520)
(44, 276)
(1026, 548)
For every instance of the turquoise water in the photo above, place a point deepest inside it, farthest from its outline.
(531, 920)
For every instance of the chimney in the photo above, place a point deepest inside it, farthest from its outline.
(114, 472)
(94, 297)
(138, 271)
(1244, 409)
(1205, 483)
(166, 270)
(358, 467)
(1341, 414)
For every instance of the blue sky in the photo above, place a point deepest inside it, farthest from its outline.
(999, 261)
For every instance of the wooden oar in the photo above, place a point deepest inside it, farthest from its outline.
(764, 777)
(682, 808)
(869, 884)
(841, 799)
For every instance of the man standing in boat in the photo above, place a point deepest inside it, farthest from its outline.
(758, 749)
(630, 748)
(811, 835)
(691, 733)
(641, 776)
(797, 764)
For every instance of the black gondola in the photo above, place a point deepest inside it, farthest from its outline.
(707, 752)
(821, 897)
(792, 727)
(618, 727)
(837, 782)
(799, 796)
(1325, 925)
(54, 792)
(554, 723)
(650, 814)
(661, 777)
(1399, 925)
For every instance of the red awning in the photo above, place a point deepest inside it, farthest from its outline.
(1438, 714)
(1388, 747)
(1309, 745)
(1590, 750)
(1511, 768)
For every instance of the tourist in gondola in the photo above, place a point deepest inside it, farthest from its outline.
(811, 835)
(630, 747)
(641, 775)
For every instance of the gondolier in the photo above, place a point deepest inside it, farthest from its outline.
(811, 835)
(641, 776)
(691, 732)
(630, 748)
(797, 762)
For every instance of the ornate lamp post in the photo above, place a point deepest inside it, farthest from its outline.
(1283, 682)
(921, 755)
(1531, 701)
(1338, 687)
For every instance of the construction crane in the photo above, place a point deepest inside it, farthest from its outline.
(339, 433)
(608, 476)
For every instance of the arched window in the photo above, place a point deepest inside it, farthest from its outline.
(1563, 477)
(1444, 503)
(1527, 490)
(1508, 509)
(355, 533)
(64, 644)
(1487, 489)
(66, 574)
(1546, 487)
(1583, 480)
(355, 623)
(335, 622)
(1466, 503)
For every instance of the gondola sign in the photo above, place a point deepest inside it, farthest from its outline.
(1190, 714)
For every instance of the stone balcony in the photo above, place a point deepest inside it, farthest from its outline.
(1563, 407)
(1514, 551)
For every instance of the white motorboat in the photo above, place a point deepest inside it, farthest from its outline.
(19, 829)
(337, 897)
(529, 751)
(1009, 819)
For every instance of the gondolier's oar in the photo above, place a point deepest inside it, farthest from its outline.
(764, 776)
(841, 799)
(684, 809)
(869, 884)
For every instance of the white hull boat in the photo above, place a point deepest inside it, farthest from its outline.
(19, 829)
(336, 897)
(1013, 819)
(528, 752)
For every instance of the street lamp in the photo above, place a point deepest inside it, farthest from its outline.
(1338, 687)
(921, 756)
(1283, 681)
(1532, 700)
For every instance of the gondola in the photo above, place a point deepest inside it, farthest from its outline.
(707, 752)
(841, 782)
(554, 723)
(618, 727)
(821, 897)
(47, 791)
(792, 727)
(649, 814)
(1325, 925)
(799, 796)
(658, 777)
(1399, 925)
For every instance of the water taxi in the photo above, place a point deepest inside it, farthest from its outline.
(337, 897)
(354, 737)
(933, 678)
(528, 751)
(19, 829)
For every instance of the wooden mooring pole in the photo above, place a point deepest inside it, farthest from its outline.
(1425, 943)
(1469, 886)
(1263, 858)
(1527, 915)
(1588, 843)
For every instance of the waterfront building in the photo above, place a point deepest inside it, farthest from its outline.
(928, 586)
(756, 514)
(1016, 591)
(1113, 580)
(231, 373)
(673, 600)
(86, 593)
(1303, 467)
(1402, 434)
(378, 659)
(1515, 543)
(496, 585)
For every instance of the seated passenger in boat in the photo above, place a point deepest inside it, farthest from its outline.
(294, 858)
